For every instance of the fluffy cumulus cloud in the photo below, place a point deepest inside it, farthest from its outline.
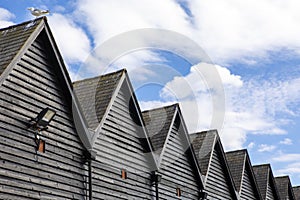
(5, 18)
(71, 39)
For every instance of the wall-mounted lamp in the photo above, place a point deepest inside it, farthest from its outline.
(202, 195)
(43, 119)
(38, 124)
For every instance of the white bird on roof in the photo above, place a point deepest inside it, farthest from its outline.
(38, 12)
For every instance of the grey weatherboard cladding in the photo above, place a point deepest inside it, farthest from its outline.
(171, 143)
(266, 183)
(213, 164)
(120, 142)
(243, 175)
(33, 80)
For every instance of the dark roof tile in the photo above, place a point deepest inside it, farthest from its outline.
(158, 123)
(236, 161)
(12, 40)
(95, 94)
(203, 144)
(284, 187)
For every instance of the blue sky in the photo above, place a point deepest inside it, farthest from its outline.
(254, 46)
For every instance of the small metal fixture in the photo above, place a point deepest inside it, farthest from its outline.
(40, 123)
(43, 119)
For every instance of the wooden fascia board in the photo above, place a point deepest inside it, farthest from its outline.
(22, 51)
(82, 130)
(115, 93)
(232, 185)
(243, 171)
(137, 107)
(271, 177)
(248, 162)
(191, 149)
(210, 158)
(166, 140)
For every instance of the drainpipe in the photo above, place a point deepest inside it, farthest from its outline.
(90, 180)
(156, 178)
(90, 156)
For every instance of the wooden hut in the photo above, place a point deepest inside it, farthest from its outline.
(243, 175)
(124, 162)
(218, 181)
(285, 188)
(38, 160)
(177, 164)
(266, 182)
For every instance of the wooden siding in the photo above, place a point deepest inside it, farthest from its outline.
(216, 182)
(176, 169)
(120, 145)
(247, 190)
(270, 192)
(60, 171)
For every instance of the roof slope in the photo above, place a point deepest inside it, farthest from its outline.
(211, 156)
(284, 187)
(264, 177)
(242, 172)
(158, 123)
(203, 143)
(236, 161)
(296, 191)
(12, 40)
(95, 94)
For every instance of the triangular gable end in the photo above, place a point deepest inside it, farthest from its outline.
(121, 143)
(177, 161)
(218, 180)
(36, 78)
(266, 182)
(243, 175)
(284, 187)
(159, 123)
(21, 37)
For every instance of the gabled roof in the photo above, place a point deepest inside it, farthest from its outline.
(95, 94)
(238, 162)
(264, 176)
(205, 143)
(284, 187)
(296, 191)
(16, 40)
(159, 123)
(13, 38)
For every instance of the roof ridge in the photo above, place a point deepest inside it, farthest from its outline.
(23, 23)
(100, 76)
(160, 108)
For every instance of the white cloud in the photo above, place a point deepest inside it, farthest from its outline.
(287, 157)
(286, 141)
(71, 39)
(266, 148)
(5, 18)
(231, 29)
(251, 145)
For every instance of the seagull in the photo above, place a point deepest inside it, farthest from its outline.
(38, 12)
